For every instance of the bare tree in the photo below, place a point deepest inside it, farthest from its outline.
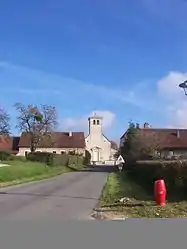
(37, 123)
(4, 123)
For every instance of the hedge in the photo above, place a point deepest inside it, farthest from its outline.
(55, 159)
(173, 172)
(47, 158)
(42, 157)
(5, 156)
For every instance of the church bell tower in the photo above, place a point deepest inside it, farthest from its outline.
(95, 125)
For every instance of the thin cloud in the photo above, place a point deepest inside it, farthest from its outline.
(173, 99)
(81, 123)
(45, 82)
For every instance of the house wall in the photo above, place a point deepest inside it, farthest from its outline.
(170, 153)
(51, 150)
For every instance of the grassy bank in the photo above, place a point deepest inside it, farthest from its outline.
(138, 203)
(20, 172)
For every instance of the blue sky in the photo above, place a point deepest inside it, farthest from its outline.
(124, 59)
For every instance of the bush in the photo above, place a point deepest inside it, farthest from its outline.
(55, 159)
(5, 156)
(87, 158)
(18, 158)
(72, 153)
(42, 157)
(60, 160)
(173, 172)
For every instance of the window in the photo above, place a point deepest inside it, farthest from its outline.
(94, 122)
(62, 152)
(54, 152)
(97, 122)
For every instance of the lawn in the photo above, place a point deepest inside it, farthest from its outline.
(138, 203)
(19, 172)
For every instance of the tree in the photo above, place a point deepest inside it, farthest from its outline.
(4, 123)
(139, 144)
(36, 123)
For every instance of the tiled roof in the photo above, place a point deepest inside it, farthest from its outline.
(9, 144)
(58, 140)
(167, 138)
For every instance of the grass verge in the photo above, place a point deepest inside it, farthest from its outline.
(22, 172)
(138, 203)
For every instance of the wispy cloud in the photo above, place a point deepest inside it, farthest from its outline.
(162, 97)
(34, 81)
(174, 102)
(81, 122)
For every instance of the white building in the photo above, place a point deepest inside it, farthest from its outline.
(102, 150)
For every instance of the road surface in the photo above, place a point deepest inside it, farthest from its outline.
(69, 196)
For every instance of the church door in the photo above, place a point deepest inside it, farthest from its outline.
(95, 155)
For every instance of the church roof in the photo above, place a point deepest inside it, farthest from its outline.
(95, 117)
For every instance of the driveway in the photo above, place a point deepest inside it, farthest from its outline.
(69, 196)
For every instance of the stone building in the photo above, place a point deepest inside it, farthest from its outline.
(59, 143)
(101, 149)
(98, 146)
(169, 143)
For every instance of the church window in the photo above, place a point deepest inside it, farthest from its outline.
(97, 122)
(94, 122)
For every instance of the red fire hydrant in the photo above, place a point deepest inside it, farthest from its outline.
(160, 192)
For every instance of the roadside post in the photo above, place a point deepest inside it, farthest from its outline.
(160, 192)
(119, 162)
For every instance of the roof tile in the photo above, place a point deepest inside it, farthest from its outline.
(58, 140)
(168, 138)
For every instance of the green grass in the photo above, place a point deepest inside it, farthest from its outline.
(20, 172)
(119, 185)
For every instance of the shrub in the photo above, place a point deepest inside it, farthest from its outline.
(42, 157)
(173, 172)
(18, 158)
(55, 159)
(72, 153)
(87, 158)
(60, 160)
(5, 156)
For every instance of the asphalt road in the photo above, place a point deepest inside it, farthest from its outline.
(69, 196)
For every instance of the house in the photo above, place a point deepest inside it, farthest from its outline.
(59, 143)
(101, 149)
(171, 142)
(9, 144)
(96, 144)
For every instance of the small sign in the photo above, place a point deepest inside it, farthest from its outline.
(120, 160)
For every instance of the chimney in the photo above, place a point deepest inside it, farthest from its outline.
(70, 134)
(178, 134)
(146, 125)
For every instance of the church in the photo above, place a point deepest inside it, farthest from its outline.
(101, 149)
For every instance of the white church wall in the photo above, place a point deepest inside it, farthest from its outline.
(97, 139)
